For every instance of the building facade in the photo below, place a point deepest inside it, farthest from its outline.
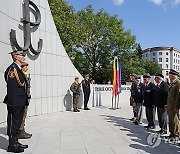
(167, 58)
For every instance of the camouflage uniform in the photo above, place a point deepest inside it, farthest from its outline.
(75, 88)
(173, 103)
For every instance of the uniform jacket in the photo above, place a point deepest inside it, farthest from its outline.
(86, 86)
(16, 86)
(173, 101)
(149, 95)
(138, 93)
(161, 94)
(75, 88)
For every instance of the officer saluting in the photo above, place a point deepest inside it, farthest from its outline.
(16, 100)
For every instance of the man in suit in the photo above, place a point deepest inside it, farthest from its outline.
(149, 101)
(16, 100)
(86, 90)
(138, 99)
(161, 94)
(173, 105)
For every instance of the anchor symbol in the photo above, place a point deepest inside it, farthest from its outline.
(28, 26)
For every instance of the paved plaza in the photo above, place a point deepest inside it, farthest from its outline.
(98, 131)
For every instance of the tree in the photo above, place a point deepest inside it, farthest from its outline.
(101, 38)
(93, 39)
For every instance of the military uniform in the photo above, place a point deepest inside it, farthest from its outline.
(16, 100)
(75, 88)
(22, 133)
(173, 102)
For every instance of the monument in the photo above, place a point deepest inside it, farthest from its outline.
(28, 25)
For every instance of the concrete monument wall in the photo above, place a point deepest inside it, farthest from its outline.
(52, 72)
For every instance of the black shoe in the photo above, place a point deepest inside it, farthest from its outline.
(15, 148)
(78, 110)
(136, 122)
(163, 132)
(23, 146)
(146, 126)
(152, 127)
(86, 109)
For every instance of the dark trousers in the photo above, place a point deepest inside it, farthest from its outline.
(86, 99)
(14, 120)
(150, 115)
(162, 118)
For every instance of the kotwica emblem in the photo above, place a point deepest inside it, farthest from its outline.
(28, 27)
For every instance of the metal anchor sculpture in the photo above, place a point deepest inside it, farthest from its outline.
(27, 26)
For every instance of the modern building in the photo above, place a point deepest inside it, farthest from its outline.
(167, 58)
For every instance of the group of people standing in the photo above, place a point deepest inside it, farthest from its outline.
(75, 88)
(158, 95)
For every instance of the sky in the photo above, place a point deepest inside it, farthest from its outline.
(153, 22)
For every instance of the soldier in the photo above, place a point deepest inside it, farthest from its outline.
(75, 88)
(132, 103)
(161, 94)
(22, 133)
(86, 90)
(16, 100)
(149, 101)
(173, 105)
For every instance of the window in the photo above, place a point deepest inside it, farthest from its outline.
(178, 61)
(178, 68)
(160, 59)
(167, 59)
(167, 53)
(173, 66)
(160, 53)
(154, 59)
(174, 60)
(160, 65)
(167, 65)
(154, 53)
(174, 54)
(167, 73)
(146, 55)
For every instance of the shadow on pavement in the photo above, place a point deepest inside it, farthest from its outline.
(3, 140)
(138, 135)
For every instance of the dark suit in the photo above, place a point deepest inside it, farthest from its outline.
(149, 102)
(161, 94)
(86, 91)
(16, 99)
(138, 99)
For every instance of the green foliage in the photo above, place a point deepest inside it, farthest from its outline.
(93, 39)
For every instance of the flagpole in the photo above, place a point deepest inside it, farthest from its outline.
(117, 103)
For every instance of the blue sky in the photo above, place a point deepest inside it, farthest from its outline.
(153, 22)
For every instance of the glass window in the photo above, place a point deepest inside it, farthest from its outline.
(167, 53)
(154, 59)
(154, 53)
(167, 59)
(173, 66)
(167, 65)
(160, 59)
(160, 65)
(146, 55)
(160, 53)
(178, 61)
(174, 60)
(167, 73)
